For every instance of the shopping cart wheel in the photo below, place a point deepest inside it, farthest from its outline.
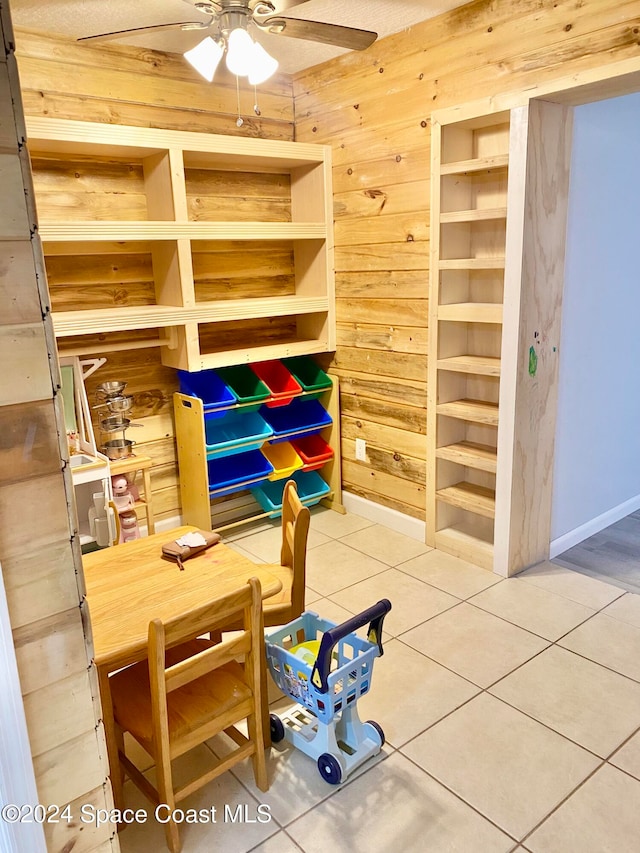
(276, 727)
(330, 768)
(378, 729)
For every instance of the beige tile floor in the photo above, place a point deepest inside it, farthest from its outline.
(511, 710)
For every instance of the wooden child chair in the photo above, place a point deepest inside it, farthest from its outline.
(288, 604)
(186, 695)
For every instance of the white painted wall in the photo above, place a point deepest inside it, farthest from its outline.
(597, 456)
(17, 780)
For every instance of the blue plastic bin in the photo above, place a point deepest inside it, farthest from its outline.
(210, 388)
(236, 432)
(311, 489)
(233, 473)
(300, 417)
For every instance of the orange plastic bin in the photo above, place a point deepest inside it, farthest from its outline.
(313, 450)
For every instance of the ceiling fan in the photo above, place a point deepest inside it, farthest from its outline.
(230, 20)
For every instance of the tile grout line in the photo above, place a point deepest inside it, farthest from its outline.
(551, 643)
(460, 798)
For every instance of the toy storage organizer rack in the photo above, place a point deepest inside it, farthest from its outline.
(236, 434)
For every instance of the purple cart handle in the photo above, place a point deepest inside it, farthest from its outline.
(374, 615)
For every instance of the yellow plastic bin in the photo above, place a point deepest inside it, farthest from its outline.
(283, 458)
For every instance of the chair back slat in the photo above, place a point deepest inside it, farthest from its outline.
(206, 661)
(207, 617)
(295, 529)
(289, 535)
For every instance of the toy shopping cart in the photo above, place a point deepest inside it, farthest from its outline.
(326, 668)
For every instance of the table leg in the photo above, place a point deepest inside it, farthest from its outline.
(264, 688)
(111, 737)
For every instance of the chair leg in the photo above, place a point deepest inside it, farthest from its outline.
(166, 796)
(258, 759)
(119, 734)
(115, 770)
(172, 835)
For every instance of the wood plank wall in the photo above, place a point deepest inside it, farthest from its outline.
(119, 85)
(374, 109)
(38, 553)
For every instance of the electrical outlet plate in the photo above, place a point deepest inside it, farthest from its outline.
(361, 449)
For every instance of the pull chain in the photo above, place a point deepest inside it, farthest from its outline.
(256, 108)
(239, 120)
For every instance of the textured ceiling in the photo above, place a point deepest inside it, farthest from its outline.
(75, 18)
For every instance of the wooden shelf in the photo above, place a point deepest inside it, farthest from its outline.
(470, 497)
(465, 546)
(478, 164)
(473, 215)
(475, 411)
(471, 264)
(474, 364)
(189, 182)
(481, 457)
(471, 312)
(152, 316)
(74, 232)
(50, 136)
(265, 352)
(470, 185)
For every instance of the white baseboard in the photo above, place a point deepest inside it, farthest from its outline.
(377, 513)
(590, 528)
(390, 518)
(163, 525)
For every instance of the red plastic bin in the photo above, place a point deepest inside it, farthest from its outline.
(283, 387)
(313, 450)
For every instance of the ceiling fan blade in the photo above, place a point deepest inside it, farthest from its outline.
(333, 34)
(156, 28)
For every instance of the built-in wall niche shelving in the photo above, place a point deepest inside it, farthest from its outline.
(469, 214)
(222, 244)
(500, 183)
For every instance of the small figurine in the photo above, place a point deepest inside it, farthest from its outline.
(129, 529)
(122, 497)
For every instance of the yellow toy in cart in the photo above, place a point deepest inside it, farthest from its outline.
(326, 677)
(308, 651)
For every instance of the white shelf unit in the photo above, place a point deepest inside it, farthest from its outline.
(499, 206)
(469, 211)
(218, 240)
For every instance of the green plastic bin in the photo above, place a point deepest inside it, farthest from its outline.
(244, 383)
(313, 379)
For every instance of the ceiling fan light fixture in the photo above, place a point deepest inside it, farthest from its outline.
(205, 57)
(240, 47)
(263, 65)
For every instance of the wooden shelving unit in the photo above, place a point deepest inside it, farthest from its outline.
(469, 212)
(201, 218)
(499, 200)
